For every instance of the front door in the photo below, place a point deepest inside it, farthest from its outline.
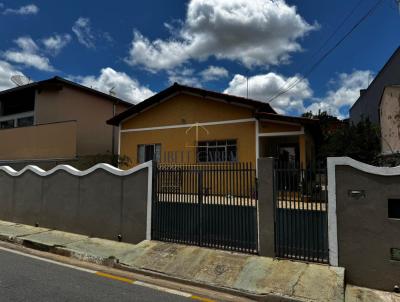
(288, 154)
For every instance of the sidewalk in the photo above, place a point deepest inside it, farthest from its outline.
(258, 277)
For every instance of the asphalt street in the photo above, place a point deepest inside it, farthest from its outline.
(26, 279)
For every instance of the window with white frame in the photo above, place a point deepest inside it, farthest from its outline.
(17, 120)
(148, 152)
(217, 151)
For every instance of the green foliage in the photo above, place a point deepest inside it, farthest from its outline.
(339, 138)
(85, 162)
(360, 142)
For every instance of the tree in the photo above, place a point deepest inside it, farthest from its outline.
(339, 138)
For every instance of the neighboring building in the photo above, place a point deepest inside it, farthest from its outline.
(367, 104)
(389, 110)
(55, 120)
(192, 125)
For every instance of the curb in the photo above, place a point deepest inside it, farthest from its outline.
(113, 262)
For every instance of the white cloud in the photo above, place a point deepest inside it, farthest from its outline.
(185, 76)
(28, 55)
(346, 92)
(83, 32)
(30, 9)
(213, 73)
(26, 44)
(122, 85)
(263, 86)
(257, 32)
(55, 43)
(6, 71)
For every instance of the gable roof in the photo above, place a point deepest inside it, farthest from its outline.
(286, 118)
(177, 88)
(60, 80)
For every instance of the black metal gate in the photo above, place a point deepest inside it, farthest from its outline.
(301, 228)
(211, 205)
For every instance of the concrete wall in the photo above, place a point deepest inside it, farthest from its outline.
(266, 207)
(390, 120)
(359, 196)
(100, 202)
(368, 104)
(56, 141)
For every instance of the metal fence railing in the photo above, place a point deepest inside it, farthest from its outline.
(301, 208)
(212, 205)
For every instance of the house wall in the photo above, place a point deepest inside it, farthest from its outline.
(184, 110)
(390, 120)
(177, 140)
(270, 127)
(89, 111)
(181, 111)
(103, 202)
(56, 141)
(358, 201)
(368, 104)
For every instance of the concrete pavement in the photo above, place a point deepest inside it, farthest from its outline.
(249, 275)
(362, 294)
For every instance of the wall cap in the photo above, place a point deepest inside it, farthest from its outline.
(347, 161)
(71, 170)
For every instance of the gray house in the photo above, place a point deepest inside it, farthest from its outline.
(367, 104)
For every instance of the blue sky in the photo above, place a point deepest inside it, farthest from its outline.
(141, 47)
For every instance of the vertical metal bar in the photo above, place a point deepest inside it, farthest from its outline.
(194, 207)
(236, 208)
(200, 200)
(229, 206)
(220, 200)
(248, 240)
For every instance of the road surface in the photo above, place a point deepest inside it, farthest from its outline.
(24, 278)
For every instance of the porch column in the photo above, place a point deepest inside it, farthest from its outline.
(302, 150)
(266, 225)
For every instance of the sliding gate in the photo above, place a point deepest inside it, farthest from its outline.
(210, 205)
(301, 228)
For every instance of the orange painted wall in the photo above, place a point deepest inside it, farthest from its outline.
(173, 140)
(268, 127)
(186, 109)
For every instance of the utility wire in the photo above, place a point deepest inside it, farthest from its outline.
(322, 46)
(327, 53)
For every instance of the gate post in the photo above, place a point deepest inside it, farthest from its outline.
(266, 217)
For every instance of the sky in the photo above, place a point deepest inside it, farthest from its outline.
(138, 48)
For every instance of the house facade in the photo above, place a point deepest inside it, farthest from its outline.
(389, 113)
(189, 125)
(55, 120)
(367, 105)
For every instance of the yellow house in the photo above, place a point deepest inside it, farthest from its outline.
(190, 125)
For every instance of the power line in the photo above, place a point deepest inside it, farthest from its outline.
(327, 53)
(314, 54)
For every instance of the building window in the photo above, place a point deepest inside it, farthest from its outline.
(217, 151)
(149, 152)
(394, 208)
(25, 121)
(7, 124)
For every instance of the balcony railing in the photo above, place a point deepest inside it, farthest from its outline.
(46, 141)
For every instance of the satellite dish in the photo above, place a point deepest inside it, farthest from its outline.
(20, 80)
